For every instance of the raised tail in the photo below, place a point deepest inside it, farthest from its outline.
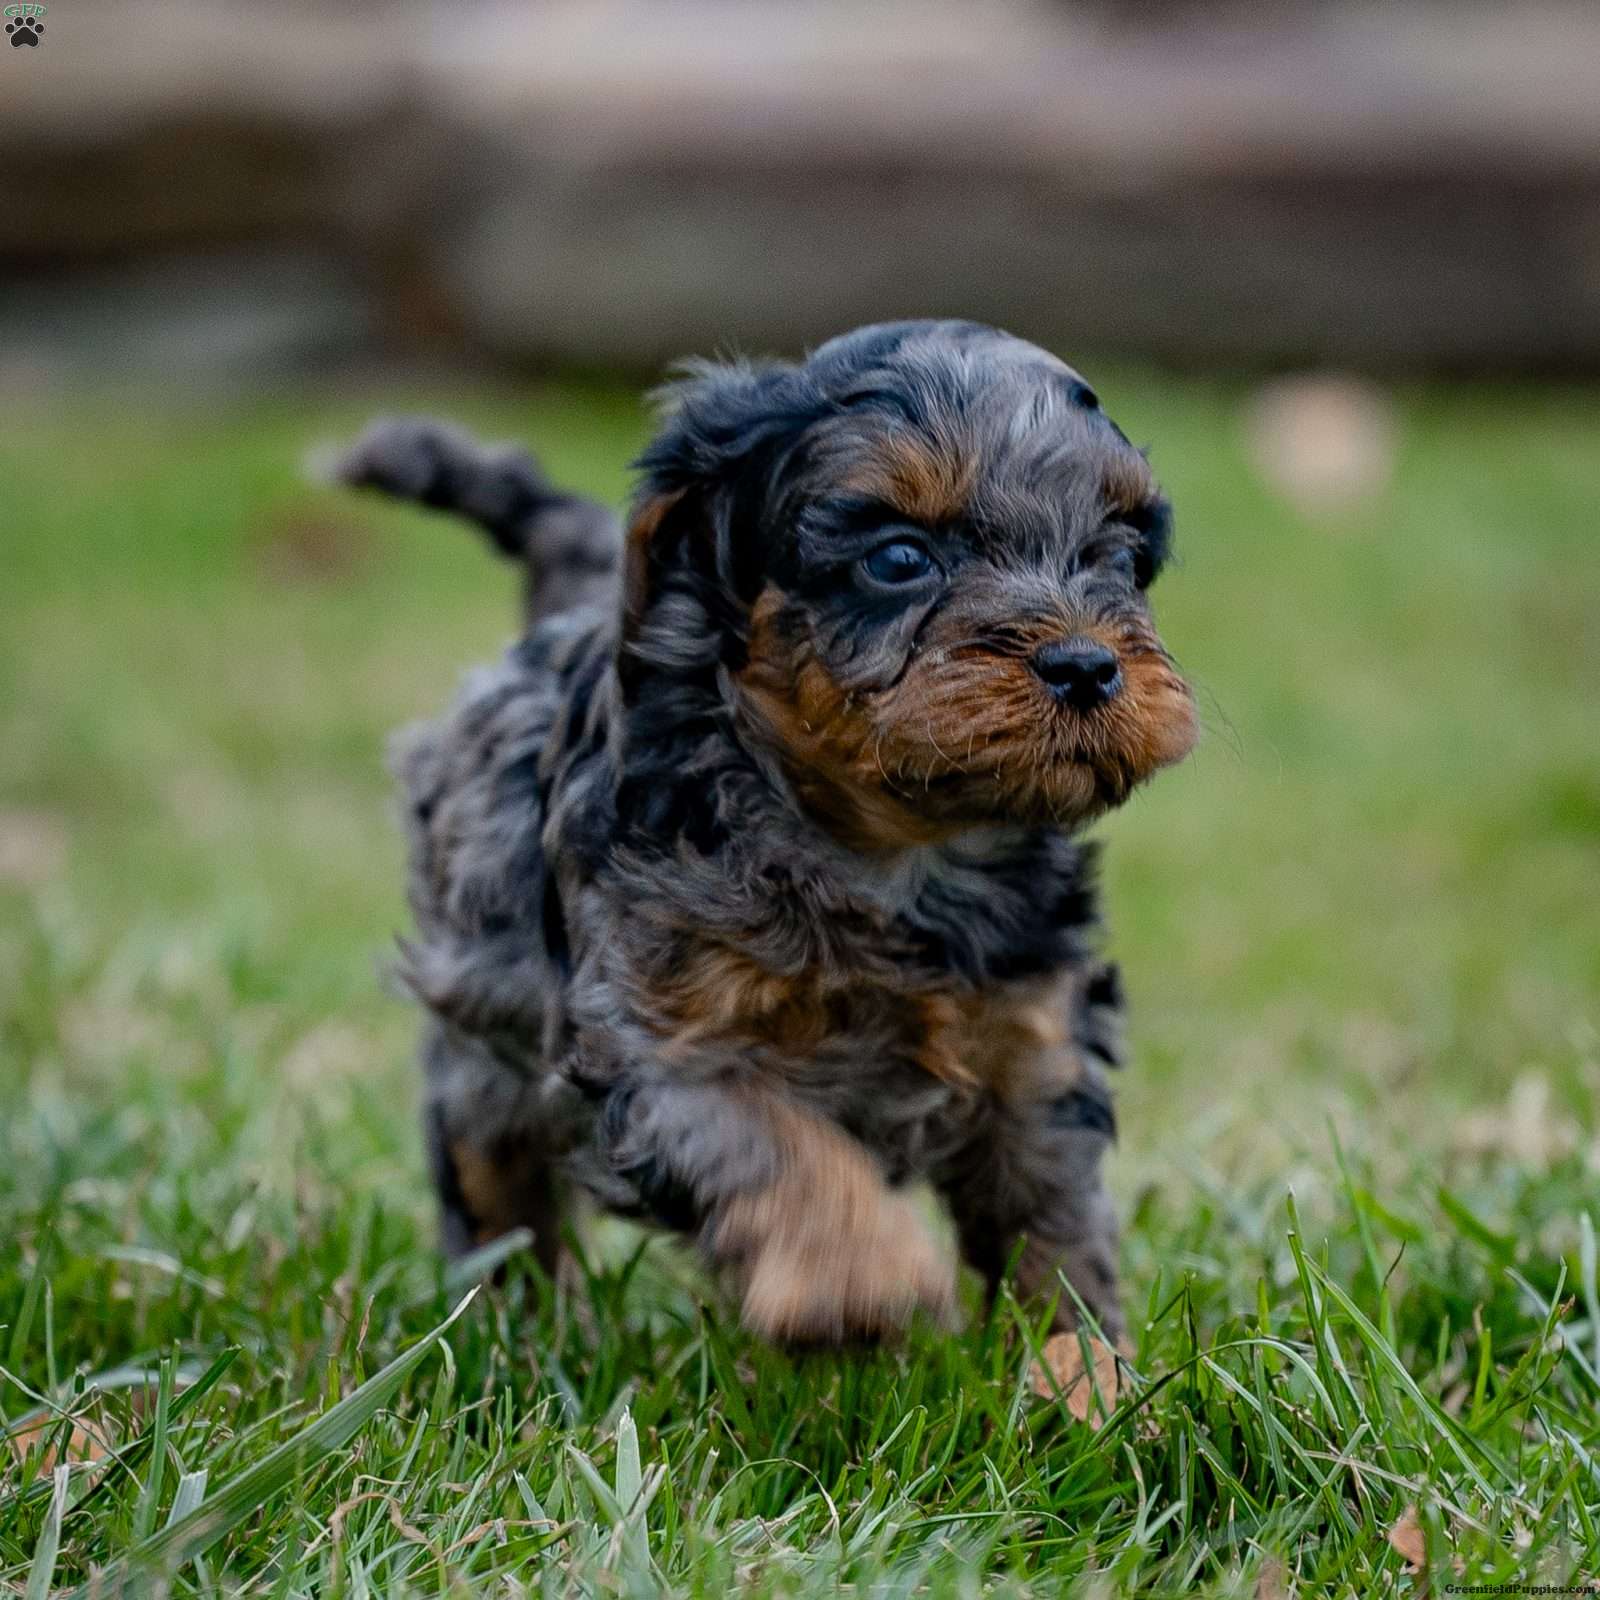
(568, 546)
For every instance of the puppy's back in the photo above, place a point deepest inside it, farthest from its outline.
(486, 789)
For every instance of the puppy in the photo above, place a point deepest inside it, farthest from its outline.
(747, 885)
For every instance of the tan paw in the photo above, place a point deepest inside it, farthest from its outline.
(834, 1280)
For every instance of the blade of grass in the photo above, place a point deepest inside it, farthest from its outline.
(629, 1474)
(478, 1264)
(190, 1492)
(1437, 1420)
(144, 1515)
(1502, 1246)
(131, 1455)
(1589, 1279)
(42, 1568)
(231, 1505)
(30, 1305)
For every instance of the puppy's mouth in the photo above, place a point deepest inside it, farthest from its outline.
(1055, 735)
(972, 731)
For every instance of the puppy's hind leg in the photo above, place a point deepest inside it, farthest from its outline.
(488, 1148)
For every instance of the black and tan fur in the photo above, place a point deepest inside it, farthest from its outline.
(747, 884)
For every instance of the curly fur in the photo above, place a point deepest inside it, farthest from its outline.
(746, 886)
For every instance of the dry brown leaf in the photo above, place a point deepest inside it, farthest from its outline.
(1272, 1582)
(405, 1529)
(1406, 1537)
(397, 1519)
(92, 1439)
(1062, 1370)
(82, 1446)
(473, 1535)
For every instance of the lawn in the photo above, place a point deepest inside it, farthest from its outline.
(1360, 1157)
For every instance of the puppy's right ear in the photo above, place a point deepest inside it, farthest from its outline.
(698, 524)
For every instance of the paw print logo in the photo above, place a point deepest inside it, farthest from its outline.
(24, 24)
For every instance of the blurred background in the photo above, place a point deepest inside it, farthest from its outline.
(1337, 264)
(227, 190)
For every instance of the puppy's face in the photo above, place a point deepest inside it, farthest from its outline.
(941, 569)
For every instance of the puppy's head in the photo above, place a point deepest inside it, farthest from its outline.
(918, 564)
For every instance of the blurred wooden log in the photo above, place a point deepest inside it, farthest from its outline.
(141, 127)
(619, 183)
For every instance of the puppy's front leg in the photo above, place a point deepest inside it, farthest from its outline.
(1034, 1177)
(798, 1211)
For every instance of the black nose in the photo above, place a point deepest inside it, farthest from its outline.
(1079, 671)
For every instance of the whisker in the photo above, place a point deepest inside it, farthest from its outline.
(1214, 719)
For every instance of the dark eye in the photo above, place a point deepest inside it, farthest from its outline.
(1115, 559)
(899, 561)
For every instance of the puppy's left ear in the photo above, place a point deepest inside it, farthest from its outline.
(643, 547)
(698, 525)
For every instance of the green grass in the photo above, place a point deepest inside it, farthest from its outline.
(1360, 1160)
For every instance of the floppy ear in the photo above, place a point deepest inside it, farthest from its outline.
(697, 521)
(1152, 521)
(639, 551)
(1134, 499)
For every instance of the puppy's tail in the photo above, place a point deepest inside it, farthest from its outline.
(568, 546)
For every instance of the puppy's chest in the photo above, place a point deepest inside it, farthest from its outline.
(837, 1028)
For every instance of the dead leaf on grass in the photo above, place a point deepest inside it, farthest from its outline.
(1272, 1582)
(1061, 1369)
(1406, 1537)
(82, 1446)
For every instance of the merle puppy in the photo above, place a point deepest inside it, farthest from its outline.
(747, 884)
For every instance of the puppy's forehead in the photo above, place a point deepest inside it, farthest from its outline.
(907, 345)
(926, 369)
(948, 423)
